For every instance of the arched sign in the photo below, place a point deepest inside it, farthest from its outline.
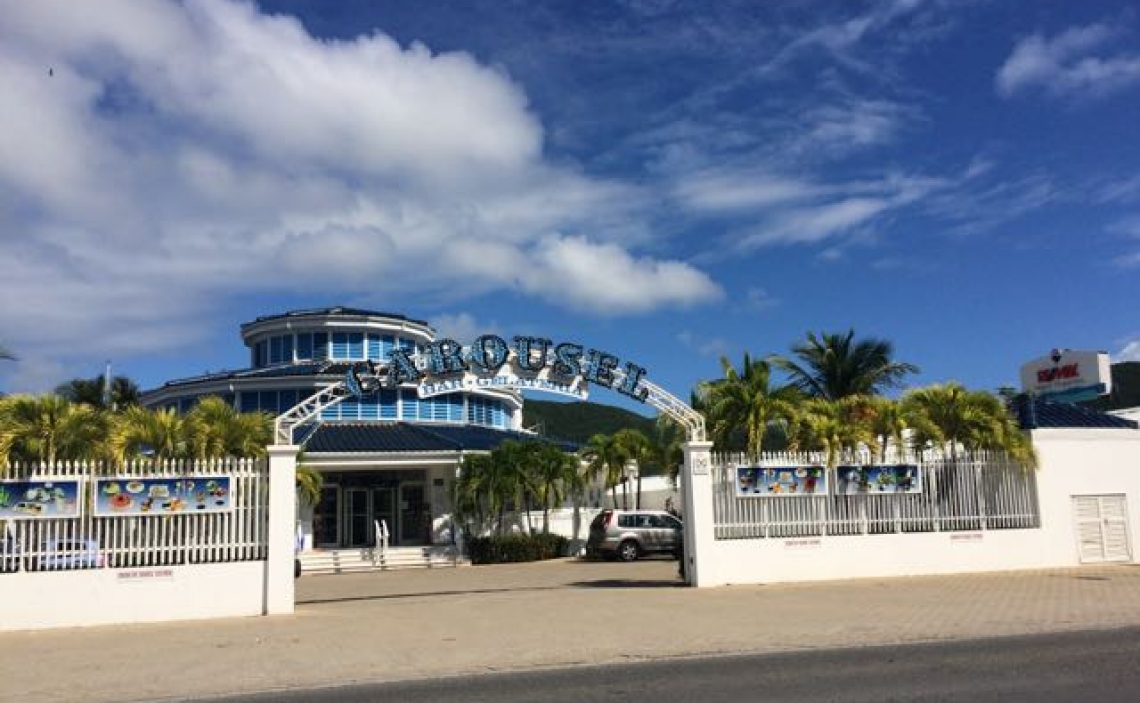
(530, 363)
(527, 363)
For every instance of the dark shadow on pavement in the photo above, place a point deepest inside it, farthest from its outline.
(628, 583)
(423, 594)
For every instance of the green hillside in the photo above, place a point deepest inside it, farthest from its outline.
(577, 422)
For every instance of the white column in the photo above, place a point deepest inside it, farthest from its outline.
(696, 490)
(282, 533)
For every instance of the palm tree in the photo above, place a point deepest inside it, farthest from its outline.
(124, 392)
(669, 437)
(834, 427)
(636, 447)
(48, 429)
(954, 417)
(309, 484)
(834, 366)
(604, 459)
(745, 401)
(214, 430)
(513, 477)
(469, 498)
(554, 473)
(138, 431)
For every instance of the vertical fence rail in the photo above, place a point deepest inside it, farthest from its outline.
(90, 541)
(982, 491)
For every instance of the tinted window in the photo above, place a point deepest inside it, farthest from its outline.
(627, 521)
(305, 346)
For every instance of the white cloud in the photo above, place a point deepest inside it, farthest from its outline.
(855, 124)
(606, 279)
(791, 211)
(760, 299)
(818, 223)
(179, 154)
(1126, 226)
(1121, 191)
(1076, 62)
(34, 375)
(1131, 260)
(462, 327)
(725, 190)
(1130, 352)
(705, 346)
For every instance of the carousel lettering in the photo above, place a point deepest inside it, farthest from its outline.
(529, 362)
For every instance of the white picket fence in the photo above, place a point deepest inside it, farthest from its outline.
(127, 541)
(981, 491)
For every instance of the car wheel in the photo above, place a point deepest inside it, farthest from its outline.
(628, 551)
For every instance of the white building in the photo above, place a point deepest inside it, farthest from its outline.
(387, 456)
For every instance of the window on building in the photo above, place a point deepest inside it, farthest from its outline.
(339, 346)
(370, 408)
(287, 349)
(387, 402)
(454, 407)
(411, 405)
(249, 402)
(320, 346)
(275, 350)
(304, 347)
(355, 346)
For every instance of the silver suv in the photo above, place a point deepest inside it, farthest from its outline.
(629, 534)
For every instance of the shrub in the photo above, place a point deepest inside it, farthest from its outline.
(515, 548)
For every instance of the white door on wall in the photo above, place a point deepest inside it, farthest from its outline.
(1102, 528)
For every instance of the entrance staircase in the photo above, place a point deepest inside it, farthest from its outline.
(358, 559)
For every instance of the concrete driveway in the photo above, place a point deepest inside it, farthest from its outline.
(558, 574)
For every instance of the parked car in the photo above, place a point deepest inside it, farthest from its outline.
(56, 554)
(629, 534)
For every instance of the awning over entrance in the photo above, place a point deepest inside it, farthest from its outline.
(369, 437)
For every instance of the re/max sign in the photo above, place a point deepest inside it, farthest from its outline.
(528, 355)
(1057, 373)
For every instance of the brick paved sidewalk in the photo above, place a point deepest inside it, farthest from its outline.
(402, 625)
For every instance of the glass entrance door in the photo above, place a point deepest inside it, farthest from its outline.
(413, 514)
(325, 517)
(384, 508)
(358, 516)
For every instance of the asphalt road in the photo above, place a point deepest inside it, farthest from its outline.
(1088, 667)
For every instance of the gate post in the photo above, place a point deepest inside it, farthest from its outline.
(697, 499)
(281, 533)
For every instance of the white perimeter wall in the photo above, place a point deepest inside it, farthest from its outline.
(44, 599)
(1072, 462)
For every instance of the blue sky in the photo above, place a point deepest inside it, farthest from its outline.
(669, 181)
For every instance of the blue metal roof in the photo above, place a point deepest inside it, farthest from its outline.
(315, 368)
(1042, 414)
(370, 437)
(338, 311)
